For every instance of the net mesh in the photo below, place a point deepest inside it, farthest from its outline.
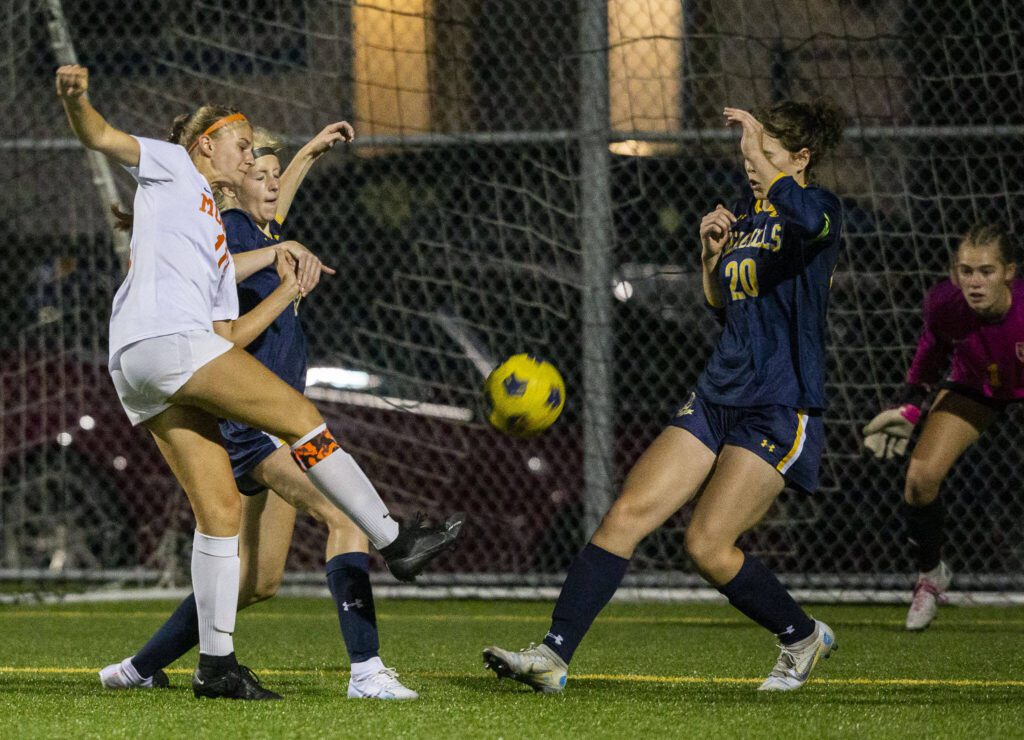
(455, 223)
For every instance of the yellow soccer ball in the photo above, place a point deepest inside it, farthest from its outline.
(526, 395)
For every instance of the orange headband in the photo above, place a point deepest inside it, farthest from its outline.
(216, 125)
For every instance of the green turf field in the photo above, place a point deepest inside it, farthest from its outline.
(644, 671)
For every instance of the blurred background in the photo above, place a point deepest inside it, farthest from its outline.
(526, 177)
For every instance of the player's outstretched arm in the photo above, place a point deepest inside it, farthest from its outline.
(299, 167)
(89, 126)
(714, 235)
(308, 265)
(246, 328)
(751, 142)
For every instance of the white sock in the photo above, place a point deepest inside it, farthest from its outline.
(129, 671)
(215, 568)
(366, 667)
(935, 574)
(342, 481)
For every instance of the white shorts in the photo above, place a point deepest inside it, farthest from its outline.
(148, 372)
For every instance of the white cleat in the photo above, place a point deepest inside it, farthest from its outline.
(382, 684)
(538, 666)
(929, 592)
(124, 676)
(797, 661)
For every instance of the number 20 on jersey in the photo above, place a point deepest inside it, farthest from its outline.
(742, 276)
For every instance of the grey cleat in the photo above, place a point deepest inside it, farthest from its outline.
(538, 666)
(796, 662)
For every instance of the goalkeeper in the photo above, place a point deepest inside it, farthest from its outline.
(975, 323)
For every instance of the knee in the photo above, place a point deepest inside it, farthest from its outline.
(218, 512)
(622, 522)
(922, 484)
(344, 536)
(263, 588)
(708, 550)
(626, 516)
(338, 525)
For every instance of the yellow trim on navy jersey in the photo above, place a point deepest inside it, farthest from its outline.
(798, 442)
(279, 218)
(775, 180)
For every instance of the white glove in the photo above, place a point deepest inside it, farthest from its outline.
(888, 433)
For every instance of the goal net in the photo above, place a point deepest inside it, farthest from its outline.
(526, 177)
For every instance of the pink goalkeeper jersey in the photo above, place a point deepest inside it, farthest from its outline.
(987, 356)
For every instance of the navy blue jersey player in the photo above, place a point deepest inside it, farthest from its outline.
(753, 422)
(282, 347)
(273, 485)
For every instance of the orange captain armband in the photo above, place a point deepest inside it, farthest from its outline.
(310, 453)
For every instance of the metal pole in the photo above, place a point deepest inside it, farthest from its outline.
(595, 232)
(102, 176)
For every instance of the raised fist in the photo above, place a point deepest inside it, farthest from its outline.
(72, 81)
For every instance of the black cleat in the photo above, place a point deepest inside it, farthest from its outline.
(238, 682)
(418, 544)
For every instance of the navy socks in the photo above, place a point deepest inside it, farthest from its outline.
(178, 635)
(757, 593)
(348, 577)
(592, 580)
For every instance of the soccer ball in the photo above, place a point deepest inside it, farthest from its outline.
(526, 395)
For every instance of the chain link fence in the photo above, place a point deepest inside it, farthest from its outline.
(526, 176)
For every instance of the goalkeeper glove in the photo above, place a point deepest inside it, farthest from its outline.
(888, 433)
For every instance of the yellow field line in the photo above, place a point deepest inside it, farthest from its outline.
(328, 614)
(623, 677)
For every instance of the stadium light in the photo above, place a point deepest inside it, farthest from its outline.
(340, 377)
(622, 290)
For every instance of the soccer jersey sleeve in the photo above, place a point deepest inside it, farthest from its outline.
(934, 345)
(818, 213)
(159, 161)
(225, 303)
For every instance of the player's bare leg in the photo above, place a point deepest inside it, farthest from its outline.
(268, 522)
(189, 439)
(237, 386)
(264, 537)
(954, 423)
(739, 494)
(656, 487)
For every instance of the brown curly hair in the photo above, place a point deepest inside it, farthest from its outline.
(817, 125)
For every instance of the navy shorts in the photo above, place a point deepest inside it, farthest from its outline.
(247, 448)
(788, 439)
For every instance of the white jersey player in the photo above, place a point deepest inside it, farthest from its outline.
(177, 363)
